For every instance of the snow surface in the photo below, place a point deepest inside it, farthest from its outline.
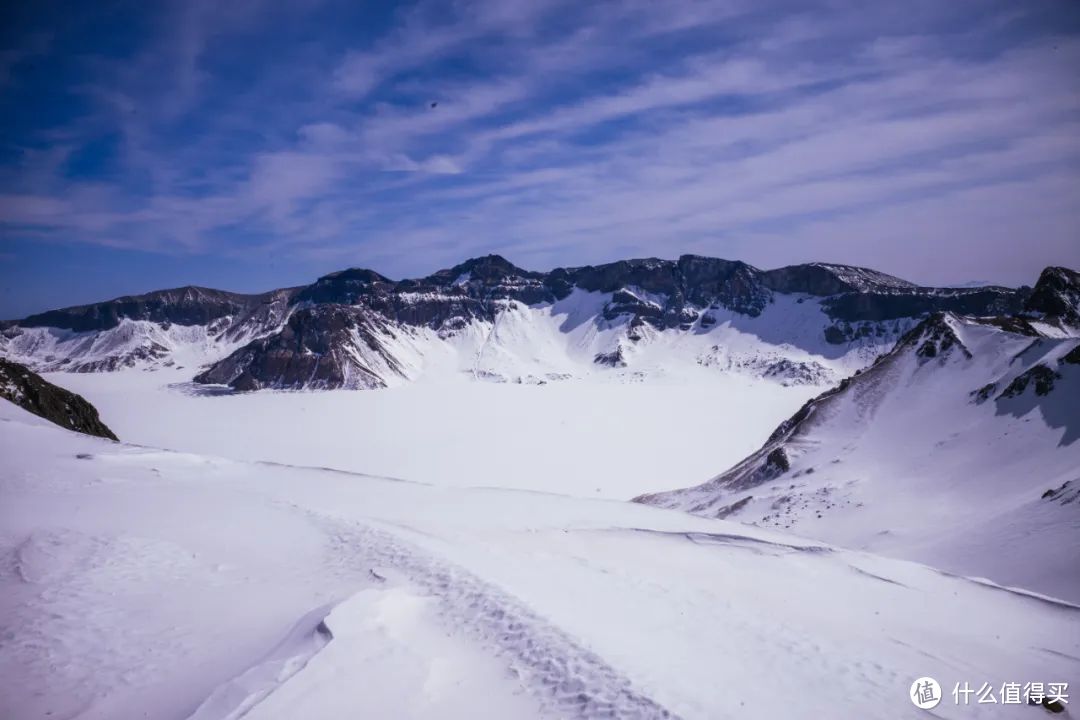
(137, 582)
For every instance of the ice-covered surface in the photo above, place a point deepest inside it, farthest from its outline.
(600, 436)
(137, 582)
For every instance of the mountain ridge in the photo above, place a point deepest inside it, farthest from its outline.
(812, 322)
(778, 280)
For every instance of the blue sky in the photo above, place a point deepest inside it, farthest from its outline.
(260, 143)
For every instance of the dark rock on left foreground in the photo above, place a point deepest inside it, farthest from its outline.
(34, 394)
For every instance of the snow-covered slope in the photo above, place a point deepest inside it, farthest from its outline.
(488, 319)
(137, 582)
(958, 448)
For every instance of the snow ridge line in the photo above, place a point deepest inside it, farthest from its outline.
(566, 679)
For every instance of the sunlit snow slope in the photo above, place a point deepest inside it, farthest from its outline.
(144, 583)
(960, 448)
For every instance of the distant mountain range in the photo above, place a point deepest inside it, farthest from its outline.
(486, 317)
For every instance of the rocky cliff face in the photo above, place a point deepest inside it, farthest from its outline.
(1056, 297)
(325, 346)
(31, 392)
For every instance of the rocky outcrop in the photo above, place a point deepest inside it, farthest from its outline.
(823, 279)
(1056, 296)
(320, 347)
(1040, 377)
(935, 337)
(31, 392)
(916, 302)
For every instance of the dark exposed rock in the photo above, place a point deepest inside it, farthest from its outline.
(651, 275)
(690, 282)
(183, 306)
(878, 306)
(1040, 376)
(346, 287)
(985, 392)
(822, 280)
(733, 508)
(1056, 295)
(933, 337)
(835, 335)
(777, 461)
(1014, 324)
(322, 347)
(611, 359)
(33, 393)
(733, 285)
(623, 302)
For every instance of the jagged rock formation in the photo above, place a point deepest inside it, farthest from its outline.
(31, 392)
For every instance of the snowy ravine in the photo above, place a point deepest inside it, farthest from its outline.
(137, 582)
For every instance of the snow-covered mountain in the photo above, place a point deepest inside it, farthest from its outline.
(959, 448)
(810, 324)
(138, 582)
(164, 328)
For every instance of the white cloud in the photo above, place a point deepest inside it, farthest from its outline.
(565, 133)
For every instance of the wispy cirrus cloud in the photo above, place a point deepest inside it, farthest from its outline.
(557, 133)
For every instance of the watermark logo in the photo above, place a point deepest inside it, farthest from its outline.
(925, 693)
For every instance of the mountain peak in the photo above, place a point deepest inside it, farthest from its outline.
(355, 274)
(484, 269)
(1056, 295)
(489, 264)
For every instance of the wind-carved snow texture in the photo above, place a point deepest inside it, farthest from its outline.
(565, 678)
(234, 699)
